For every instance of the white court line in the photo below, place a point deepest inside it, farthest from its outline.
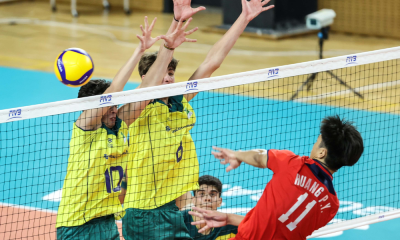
(344, 92)
(27, 208)
(192, 47)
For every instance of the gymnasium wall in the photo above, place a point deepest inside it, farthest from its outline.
(369, 17)
(145, 5)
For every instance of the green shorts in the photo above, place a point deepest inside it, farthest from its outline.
(163, 223)
(103, 228)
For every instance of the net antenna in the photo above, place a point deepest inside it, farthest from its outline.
(322, 20)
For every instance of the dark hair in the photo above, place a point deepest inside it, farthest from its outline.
(210, 181)
(343, 142)
(93, 88)
(148, 59)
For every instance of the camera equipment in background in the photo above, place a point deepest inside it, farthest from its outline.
(322, 20)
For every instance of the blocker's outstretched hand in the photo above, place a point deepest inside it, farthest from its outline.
(146, 41)
(176, 38)
(183, 10)
(228, 156)
(212, 219)
(253, 8)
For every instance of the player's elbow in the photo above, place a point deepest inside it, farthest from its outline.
(261, 161)
(212, 65)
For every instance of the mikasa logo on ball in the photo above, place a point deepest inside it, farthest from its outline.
(59, 65)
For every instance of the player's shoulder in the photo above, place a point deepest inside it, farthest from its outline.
(283, 155)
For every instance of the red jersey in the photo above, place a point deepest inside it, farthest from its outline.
(298, 200)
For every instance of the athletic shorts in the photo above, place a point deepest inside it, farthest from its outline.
(163, 223)
(103, 228)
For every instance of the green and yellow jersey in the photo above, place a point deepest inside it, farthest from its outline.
(162, 161)
(95, 170)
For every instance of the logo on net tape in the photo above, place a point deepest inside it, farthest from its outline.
(106, 100)
(191, 85)
(273, 73)
(16, 113)
(351, 60)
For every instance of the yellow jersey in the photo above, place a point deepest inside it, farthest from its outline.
(162, 161)
(95, 170)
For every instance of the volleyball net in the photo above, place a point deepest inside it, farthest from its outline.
(262, 109)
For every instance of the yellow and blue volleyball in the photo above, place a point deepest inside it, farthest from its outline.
(74, 67)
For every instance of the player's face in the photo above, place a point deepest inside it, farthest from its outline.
(207, 197)
(109, 118)
(169, 76)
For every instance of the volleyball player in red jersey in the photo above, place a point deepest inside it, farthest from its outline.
(300, 197)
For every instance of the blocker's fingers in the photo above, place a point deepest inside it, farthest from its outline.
(140, 37)
(190, 40)
(187, 23)
(198, 9)
(265, 2)
(191, 31)
(141, 28)
(157, 38)
(268, 8)
(152, 24)
(179, 25)
(146, 22)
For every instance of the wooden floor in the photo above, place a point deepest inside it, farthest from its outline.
(31, 37)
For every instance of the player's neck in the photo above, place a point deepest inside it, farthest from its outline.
(165, 100)
(322, 161)
(195, 219)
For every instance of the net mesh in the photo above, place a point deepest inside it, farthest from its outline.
(34, 152)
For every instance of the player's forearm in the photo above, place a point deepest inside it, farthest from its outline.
(257, 158)
(220, 50)
(234, 219)
(158, 69)
(123, 75)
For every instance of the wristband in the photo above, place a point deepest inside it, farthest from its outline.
(124, 185)
(178, 20)
(172, 49)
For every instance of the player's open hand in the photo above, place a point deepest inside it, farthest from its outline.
(176, 38)
(146, 41)
(212, 219)
(227, 156)
(252, 8)
(183, 10)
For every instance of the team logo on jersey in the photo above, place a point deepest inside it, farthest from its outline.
(189, 113)
(124, 137)
(167, 128)
(109, 143)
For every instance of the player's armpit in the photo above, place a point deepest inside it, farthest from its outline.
(234, 219)
(184, 202)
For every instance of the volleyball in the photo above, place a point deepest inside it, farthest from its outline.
(74, 67)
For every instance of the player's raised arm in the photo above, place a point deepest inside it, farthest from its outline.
(123, 75)
(256, 158)
(158, 69)
(214, 219)
(91, 119)
(217, 54)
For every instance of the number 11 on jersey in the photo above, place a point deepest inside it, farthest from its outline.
(292, 225)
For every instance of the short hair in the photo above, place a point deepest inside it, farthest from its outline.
(93, 88)
(343, 142)
(147, 60)
(210, 181)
